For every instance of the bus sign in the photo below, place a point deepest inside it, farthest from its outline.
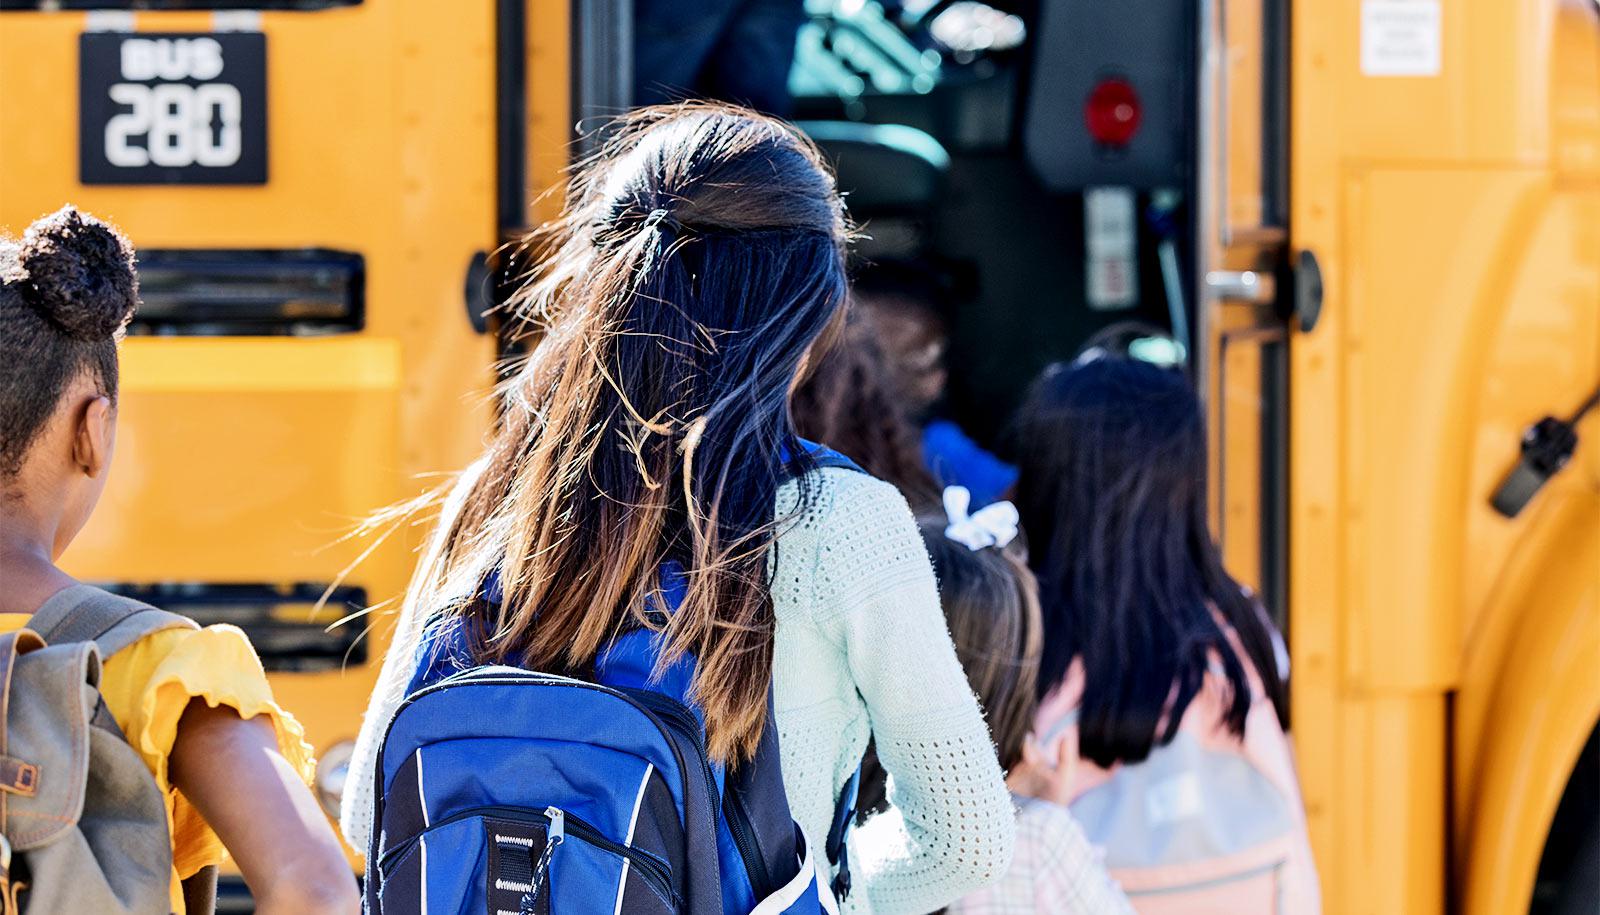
(172, 108)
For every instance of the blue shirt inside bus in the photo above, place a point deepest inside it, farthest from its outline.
(956, 460)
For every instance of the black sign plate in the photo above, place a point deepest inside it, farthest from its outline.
(172, 108)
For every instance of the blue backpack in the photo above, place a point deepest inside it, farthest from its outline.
(510, 791)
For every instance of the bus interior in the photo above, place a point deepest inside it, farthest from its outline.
(1038, 166)
(1059, 172)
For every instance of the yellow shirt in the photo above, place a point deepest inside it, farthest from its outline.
(148, 685)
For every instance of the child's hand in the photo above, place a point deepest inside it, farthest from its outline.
(1038, 775)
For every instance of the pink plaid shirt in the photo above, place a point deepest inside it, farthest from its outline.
(1054, 871)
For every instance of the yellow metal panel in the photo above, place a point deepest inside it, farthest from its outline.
(1530, 698)
(1489, 102)
(243, 449)
(1548, 305)
(1427, 278)
(1237, 466)
(1455, 218)
(1242, 21)
(210, 364)
(550, 126)
(247, 460)
(1316, 403)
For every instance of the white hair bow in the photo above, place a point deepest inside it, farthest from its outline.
(992, 525)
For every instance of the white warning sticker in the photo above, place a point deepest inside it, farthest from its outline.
(1111, 243)
(1400, 38)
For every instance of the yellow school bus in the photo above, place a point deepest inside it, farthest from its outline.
(1370, 229)
(313, 187)
(1447, 627)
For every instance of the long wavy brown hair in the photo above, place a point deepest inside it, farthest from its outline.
(698, 262)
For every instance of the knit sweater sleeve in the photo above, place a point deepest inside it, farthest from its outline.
(950, 829)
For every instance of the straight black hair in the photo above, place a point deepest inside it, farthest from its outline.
(1112, 493)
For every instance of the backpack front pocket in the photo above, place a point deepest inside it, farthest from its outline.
(528, 858)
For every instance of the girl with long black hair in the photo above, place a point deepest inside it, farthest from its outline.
(1161, 668)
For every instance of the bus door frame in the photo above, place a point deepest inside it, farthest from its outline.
(1241, 359)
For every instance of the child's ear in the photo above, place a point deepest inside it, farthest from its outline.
(91, 442)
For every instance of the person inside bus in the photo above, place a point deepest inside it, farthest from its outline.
(1162, 670)
(734, 50)
(699, 267)
(905, 306)
(194, 703)
(849, 402)
(991, 602)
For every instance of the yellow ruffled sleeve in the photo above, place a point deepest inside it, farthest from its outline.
(147, 687)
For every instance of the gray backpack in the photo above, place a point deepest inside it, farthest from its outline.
(83, 825)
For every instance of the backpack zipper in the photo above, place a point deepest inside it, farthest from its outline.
(735, 814)
(738, 817)
(558, 825)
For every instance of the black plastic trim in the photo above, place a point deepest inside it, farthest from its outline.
(1275, 88)
(602, 65)
(654, 871)
(251, 311)
(283, 645)
(511, 114)
(734, 814)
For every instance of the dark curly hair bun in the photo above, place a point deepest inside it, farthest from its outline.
(78, 273)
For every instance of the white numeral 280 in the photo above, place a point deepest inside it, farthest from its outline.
(176, 120)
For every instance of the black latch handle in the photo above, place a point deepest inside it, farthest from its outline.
(1547, 447)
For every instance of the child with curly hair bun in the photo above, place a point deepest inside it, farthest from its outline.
(193, 702)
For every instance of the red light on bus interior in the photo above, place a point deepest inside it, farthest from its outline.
(1112, 112)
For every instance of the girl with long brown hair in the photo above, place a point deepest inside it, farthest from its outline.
(699, 262)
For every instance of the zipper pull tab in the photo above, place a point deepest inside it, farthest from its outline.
(554, 835)
(558, 825)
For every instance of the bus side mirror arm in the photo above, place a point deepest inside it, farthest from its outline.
(1547, 447)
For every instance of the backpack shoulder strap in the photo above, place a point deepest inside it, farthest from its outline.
(16, 776)
(84, 613)
(820, 457)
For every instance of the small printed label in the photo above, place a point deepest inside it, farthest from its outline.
(1173, 799)
(108, 21)
(236, 21)
(1111, 243)
(1400, 38)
